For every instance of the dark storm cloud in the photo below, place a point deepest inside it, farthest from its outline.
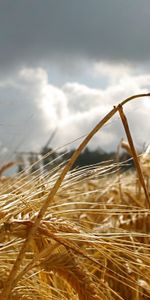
(34, 32)
(94, 37)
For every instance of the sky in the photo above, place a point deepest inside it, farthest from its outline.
(64, 64)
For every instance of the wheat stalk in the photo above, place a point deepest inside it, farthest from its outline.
(34, 228)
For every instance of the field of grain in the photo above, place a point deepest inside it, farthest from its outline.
(77, 233)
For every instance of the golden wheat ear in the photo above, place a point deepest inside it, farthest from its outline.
(29, 242)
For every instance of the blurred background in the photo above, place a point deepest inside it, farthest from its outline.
(63, 65)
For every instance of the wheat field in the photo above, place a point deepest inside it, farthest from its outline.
(79, 233)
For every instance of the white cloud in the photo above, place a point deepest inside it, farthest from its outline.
(113, 71)
(54, 104)
(30, 108)
(81, 98)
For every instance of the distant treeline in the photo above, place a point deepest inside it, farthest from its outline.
(87, 157)
(48, 158)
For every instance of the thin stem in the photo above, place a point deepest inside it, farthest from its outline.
(16, 266)
(133, 151)
(7, 289)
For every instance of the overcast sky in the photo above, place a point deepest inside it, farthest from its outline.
(65, 63)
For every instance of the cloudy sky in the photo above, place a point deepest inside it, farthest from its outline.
(65, 63)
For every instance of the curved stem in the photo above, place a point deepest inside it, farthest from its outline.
(16, 266)
(133, 152)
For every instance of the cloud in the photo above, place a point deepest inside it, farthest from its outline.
(65, 64)
(112, 71)
(39, 33)
(23, 123)
(81, 96)
(31, 108)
